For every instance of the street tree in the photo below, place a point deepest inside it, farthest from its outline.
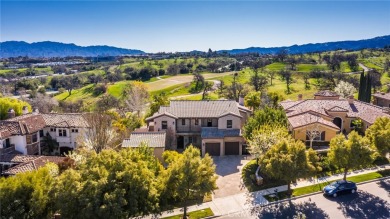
(289, 161)
(379, 135)
(351, 153)
(188, 175)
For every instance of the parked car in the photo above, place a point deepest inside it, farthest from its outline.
(340, 187)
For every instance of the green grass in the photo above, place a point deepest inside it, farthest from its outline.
(276, 66)
(194, 214)
(310, 67)
(318, 187)
(249, 178)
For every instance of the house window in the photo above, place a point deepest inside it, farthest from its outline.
(194, 139)
(190, 140)
(209, 123)
(41, 133)
(34, 138)
(229, 124)
(183, 122)
(75, 130)
(62, 132)
(52, 129)
(196, 122)
(164, 125)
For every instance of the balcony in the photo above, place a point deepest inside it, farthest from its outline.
(33, 148)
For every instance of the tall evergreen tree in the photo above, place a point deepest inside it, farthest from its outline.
(362, 84)
(368, 87)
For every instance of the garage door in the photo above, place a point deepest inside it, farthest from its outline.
(213, 149)
(232, 148)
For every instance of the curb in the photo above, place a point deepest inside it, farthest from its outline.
(315, 193)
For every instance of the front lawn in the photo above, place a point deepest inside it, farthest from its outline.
(318, 187)
(249, 178)
(194, 215)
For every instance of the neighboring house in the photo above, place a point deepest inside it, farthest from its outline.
(155, 140)
(11, 164)
(327, 114)
(212, 126)
(382, 99)
(25, 134)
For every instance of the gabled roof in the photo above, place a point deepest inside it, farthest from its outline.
(152, 139)
(199, 109)
(337, 109)
(306, 119)
(65, 120)
(22, 125)
(29, 163)
(214, 132)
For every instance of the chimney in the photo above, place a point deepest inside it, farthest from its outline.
(35, 111)
(25, 110)
(300, 96)
(11, 113)
(241, 101)
(350, 99)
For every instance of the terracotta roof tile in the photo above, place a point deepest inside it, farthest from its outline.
(307, 119)
(32, 163)
(65, 120)
(21, 125)
(326, 93)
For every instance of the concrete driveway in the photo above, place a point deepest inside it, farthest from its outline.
(229, 180)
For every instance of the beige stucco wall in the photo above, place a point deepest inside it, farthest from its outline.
(171, 123)
(236, 122)
(300, 133)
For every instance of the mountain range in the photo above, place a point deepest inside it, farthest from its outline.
(373, 43)
(56, 49)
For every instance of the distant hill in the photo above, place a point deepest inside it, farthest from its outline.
(377, 42)
(55, 49)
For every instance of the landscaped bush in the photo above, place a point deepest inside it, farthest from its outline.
(249, 178)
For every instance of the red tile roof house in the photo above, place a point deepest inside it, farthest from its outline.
(212, 126)
(328, 114)
(11, 164)
(24, 133)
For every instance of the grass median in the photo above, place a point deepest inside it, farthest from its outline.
(207, 212)
(318, 187)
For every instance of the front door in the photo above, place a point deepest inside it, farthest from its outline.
(180, 142)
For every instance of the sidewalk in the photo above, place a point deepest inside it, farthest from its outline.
(245, 201)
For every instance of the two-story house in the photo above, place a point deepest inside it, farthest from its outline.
(26, 133)
(212, 126)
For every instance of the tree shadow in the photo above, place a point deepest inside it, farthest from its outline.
(291, 210)
(385, 184)
(364, 205)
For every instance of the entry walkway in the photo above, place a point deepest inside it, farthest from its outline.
(247, 200)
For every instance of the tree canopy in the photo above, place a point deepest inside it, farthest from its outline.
(7, 103)
(379, 135)
(350, 153)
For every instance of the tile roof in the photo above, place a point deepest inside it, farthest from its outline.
(152, 139)
(22, 125)
(385, 96)
(199, 109)
(357, 109)
(326, 93)
(309, 118)
(17, 158)
(65, 120)
(31, 164)
(214, 132)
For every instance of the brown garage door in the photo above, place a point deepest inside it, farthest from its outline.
(213, 149)
(232, 148)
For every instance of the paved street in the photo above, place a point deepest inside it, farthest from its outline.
(371, 201)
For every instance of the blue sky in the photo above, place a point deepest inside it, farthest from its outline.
(171, 26)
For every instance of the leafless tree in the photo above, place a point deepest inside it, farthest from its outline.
(100, 134)
(136, 97)
(313, 130)
(44, 103)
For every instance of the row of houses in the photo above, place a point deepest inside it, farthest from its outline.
(215, 127)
